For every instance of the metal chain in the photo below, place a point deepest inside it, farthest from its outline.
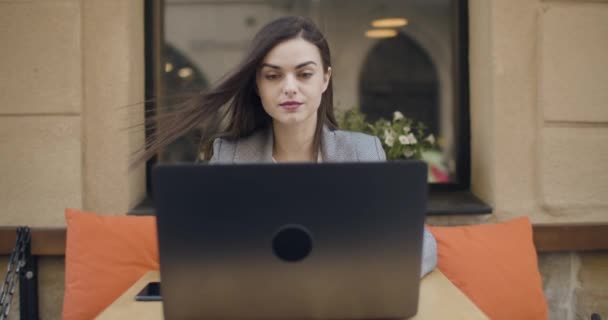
(10, 275)
(15, 264)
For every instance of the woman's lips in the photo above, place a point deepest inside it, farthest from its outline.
(290, 105)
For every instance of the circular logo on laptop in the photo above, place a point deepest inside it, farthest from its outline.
(292, 243)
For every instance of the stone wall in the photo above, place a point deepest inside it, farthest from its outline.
(539, 97)
(575, 284)
(68, 69)
(538, 82)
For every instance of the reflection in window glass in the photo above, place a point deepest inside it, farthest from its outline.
(380, 66)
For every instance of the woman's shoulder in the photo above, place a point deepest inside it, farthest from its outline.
(355, 138)
(225, 149)
(354, 135)
(366, 147)
(222, 149)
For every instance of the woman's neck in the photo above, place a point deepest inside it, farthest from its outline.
(293, 143)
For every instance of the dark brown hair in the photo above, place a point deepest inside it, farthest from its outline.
(232, 109)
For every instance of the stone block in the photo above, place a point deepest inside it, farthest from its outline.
(40, 59)
(51, 287)
(41, 169)
(573, 165)
(592, 293)
(556, 270)
(573, 41)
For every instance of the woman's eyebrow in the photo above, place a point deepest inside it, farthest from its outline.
(270, 66)
(301, 65)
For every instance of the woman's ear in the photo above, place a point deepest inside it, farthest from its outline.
(326, 78)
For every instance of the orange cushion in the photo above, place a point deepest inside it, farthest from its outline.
(104, 256)
(496, 266)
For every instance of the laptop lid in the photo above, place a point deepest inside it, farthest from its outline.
(280, 241)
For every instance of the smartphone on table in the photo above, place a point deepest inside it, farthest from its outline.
(151, 292)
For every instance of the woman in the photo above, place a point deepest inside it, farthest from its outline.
(278, 106)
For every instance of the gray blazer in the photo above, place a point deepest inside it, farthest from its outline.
(336, 146)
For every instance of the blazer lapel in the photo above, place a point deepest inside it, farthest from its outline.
(332, 150)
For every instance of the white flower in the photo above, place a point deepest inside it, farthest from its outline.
(397, 115)
(389, 137)
(404, 140)
(412, 139)
(407, 140)
(407, 129)
(408, 153)
(430, 139)
(387, 133)
(389, 140)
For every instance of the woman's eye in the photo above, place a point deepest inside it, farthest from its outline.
(272, 76)
(306, 75)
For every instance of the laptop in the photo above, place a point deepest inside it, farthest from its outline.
(290, 241)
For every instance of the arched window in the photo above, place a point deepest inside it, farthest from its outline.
(399, 75)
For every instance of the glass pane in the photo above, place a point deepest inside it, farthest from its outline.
(409, 69)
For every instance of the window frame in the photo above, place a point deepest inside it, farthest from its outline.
(454, 198)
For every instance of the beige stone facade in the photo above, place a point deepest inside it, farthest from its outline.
(539, 120)
(538, 108)
(68, 69)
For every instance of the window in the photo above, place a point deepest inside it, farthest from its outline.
(418, 67)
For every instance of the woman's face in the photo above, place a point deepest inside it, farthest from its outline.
(291, 81)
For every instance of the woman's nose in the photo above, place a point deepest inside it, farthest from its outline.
(290, 86)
